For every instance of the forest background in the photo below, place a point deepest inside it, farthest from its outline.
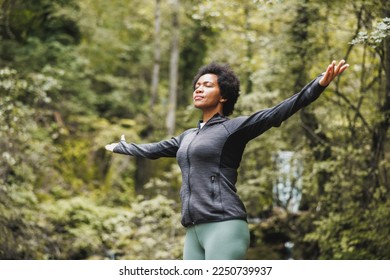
(75, 75)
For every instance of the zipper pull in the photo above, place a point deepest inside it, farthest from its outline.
(212, 186)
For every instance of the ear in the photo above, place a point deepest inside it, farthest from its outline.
(223, 100)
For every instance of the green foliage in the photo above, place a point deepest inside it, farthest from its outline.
(375, 37)
(75, 75)
(21, 158)
(353, 235)
(80, 229)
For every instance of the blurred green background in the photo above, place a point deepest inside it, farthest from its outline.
(75, 75)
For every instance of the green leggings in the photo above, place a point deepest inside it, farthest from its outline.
(227, 240)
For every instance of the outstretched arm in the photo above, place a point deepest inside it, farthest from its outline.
(263, 120)
(332, 72)
(165, 148)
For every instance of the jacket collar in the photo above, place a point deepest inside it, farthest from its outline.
(217, 118)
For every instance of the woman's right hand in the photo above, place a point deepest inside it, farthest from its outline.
(332, 72)
(111, 147)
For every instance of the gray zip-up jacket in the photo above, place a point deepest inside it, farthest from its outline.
(210, 156)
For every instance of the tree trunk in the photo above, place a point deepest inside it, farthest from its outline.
(379, 172)
(144, 167)
(157, 55)
(316, 139)
(6, 7)
(173, 73)
(249, 50)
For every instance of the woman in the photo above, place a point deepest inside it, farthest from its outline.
(209, 156)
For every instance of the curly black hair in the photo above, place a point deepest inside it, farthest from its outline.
(228, 82)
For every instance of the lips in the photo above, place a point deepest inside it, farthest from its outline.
(198, 97)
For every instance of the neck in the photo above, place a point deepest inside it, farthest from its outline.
(207, 115)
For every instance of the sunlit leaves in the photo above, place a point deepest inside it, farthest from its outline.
(375, 36)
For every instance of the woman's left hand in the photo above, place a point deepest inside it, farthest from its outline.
(332, 72)
(111, 147)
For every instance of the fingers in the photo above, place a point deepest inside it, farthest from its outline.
(328, 75)
(110, 147)
(338, 67)
(333, 71)
(342, 69)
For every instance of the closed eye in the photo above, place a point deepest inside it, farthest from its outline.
(205, 84)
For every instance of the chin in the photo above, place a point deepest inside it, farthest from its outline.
(197, 106)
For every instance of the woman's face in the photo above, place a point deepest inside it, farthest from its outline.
(207, 93)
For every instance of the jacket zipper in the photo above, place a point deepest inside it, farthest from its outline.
(189, 168)
(188, 180)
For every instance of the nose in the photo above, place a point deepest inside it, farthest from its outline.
(199, 89)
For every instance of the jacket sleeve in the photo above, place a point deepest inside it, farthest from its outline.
(256, 124)
(165, 148)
